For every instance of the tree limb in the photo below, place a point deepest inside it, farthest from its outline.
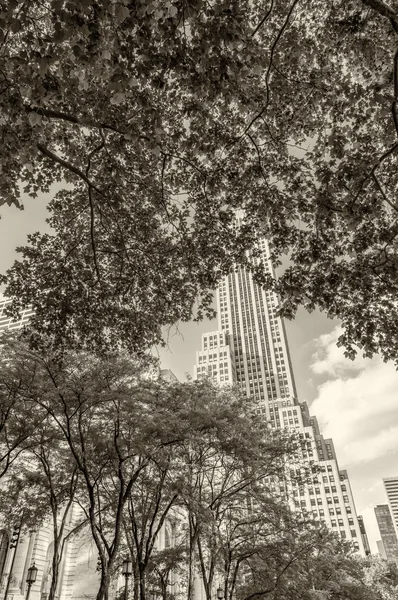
(261, 23)
(55, 114)
(67, 165)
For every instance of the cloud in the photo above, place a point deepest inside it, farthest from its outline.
(329, 359)
(357, 404)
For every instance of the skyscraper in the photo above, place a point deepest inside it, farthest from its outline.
(250, 349)
(387, 532)
(391, 487)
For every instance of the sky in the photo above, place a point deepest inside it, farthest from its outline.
(356, 403)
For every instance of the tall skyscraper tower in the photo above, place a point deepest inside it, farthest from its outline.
(250, 349)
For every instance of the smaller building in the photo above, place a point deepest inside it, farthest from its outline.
(364, 535)
(380, 549)
(391, 487)
(168, 375)
(387, 532)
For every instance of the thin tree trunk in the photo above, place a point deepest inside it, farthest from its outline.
(142, 582)
(102, 593)
(191, 558)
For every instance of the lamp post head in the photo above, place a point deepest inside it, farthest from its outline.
(220, 593)
(31, 574)
(127, 567)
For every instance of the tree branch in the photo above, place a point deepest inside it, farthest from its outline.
(55, 114)
(261, 23)
(273, 48)
(67, 165)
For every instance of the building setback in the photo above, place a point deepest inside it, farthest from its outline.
(250, 349)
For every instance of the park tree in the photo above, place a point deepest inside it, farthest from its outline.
(334, 572)
(167, 570)
(151, 122)
(89, 403)
(39, 491)
(381, 576)
(133, 452)
(18, 419)
(52, 476)
(232, 504)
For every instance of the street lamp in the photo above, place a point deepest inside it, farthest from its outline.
(31, 578)
(220, 593)
(127, 570)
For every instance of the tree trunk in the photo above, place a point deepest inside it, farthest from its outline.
(136, 586)
(191, 559)
(142, 582)
(54, 580)
(102, 593)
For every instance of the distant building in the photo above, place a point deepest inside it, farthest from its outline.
(387, 532)
(380, 549)
(364, 535)
(167, 375)
(391, 487)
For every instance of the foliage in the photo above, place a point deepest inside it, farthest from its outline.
(336, 574)
(382, 577)
(159, 119)
(140, 457)
(18, 420)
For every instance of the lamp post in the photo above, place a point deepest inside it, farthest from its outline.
(127, 570)
(31, 578)
(220, 593)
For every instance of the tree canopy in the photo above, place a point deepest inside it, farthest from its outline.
(159, 119)
(130, 453)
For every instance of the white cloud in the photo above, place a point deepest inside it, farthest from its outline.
(329, 359)
(357, 405)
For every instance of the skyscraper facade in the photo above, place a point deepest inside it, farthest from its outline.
(364, 535)
(250, 350)
(387, 532)
(391, 487)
